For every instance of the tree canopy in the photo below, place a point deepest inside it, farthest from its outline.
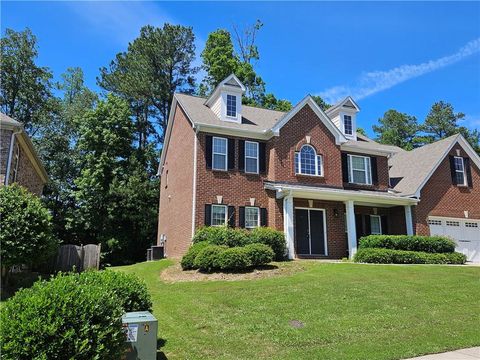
(396, 128)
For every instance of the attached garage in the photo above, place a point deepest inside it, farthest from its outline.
(465, 232)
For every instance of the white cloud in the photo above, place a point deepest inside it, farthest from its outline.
(373, 82)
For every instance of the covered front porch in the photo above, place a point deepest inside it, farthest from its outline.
(323, 222)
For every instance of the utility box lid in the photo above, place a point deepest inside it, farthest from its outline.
(138, 316)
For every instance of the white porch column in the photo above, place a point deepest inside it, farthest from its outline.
(351, 229)
(288, 225)
(408, 219)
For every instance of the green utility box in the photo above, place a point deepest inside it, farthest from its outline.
(140, 329)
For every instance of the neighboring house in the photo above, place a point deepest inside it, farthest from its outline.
(306, 172)
(19, 162)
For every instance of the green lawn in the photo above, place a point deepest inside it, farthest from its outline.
(349, 311)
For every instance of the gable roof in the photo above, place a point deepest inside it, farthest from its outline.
(6, 122)
(308, 100)
(412, 169)
(230, 81)
(347, 102)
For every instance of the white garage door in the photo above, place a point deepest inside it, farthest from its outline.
(465, 232)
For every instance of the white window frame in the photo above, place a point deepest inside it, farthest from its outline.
(217, 153)
(379, 224)
(367, 170)
(251, 157)
(461, 171)
(258, 217)
(226, 214)
(344, 125)
(318, 167)
(235, 104)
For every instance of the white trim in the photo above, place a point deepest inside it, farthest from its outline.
(351, 228)
(251, 157)
(226, 214)
(339, 136)
(367, 162)
(258, 217)
(341, 103)
(224, 84)
(379, 224)
(10, 154)
(233, 117)
(325, 242)
(217, 153)
(288, 225)
(409, 219)
(194, 186)
(465, 146)
(321, 193)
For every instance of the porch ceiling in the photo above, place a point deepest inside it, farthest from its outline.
(360, 197)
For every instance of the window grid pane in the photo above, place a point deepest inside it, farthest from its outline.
(375, 225)
(307, 161)
(251, 157)
(360, 169)
(347, 121)
(218, 215)
(251, 217)
(459, 171)
(219, 154)
(231, 105)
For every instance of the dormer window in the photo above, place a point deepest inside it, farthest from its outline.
(231, 105)
(348, 124)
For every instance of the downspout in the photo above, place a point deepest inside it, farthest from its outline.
(10, 154)
(194, 189)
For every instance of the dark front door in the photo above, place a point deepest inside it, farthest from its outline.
(309, 232)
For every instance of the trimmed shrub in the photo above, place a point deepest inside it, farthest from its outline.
(188, 259)
(207, 258)
(131, 291)
(234, 259)
(430, 244)
(62, 319)
(222, 235)
(271, 237)
(259, 254)
(388, 256)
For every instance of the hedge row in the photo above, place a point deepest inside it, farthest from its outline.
(222, 235)
(72, 316)
(389, 256)
(207, 257)
(429, 244)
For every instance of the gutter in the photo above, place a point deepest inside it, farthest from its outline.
(10, 154)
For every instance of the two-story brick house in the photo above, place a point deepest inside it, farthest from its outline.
(19, 162)
(306, 172)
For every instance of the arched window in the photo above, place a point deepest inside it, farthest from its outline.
(307, 162)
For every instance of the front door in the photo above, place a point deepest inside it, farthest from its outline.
(310, 231)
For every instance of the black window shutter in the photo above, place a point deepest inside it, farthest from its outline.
(208, 214)
(263, 217)
(262, 157)
(241, 216)
(466, 163)
(345, 167)
(241, 155)
(208, 151)
(373, 163)
(231, 154)
(368, 225)
(452, 169)
(231, 216)
(384, 225)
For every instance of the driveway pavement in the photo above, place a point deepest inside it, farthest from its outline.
(462, 354)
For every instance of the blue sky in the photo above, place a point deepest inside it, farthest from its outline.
(386, 55)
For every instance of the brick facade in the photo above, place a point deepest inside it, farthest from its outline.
(440, 197)
(176, 188)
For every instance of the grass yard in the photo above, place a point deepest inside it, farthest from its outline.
(349, 311)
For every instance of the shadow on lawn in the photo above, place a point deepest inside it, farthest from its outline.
(160, 354)
(243, 271)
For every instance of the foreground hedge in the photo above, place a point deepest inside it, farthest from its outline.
(222, 235)
(388, 256)
(208, 258)
(430, 244)
(74, 316)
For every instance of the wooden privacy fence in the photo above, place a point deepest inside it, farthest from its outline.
(82, 257)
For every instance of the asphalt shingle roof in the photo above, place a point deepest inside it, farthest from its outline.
(410, 168)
